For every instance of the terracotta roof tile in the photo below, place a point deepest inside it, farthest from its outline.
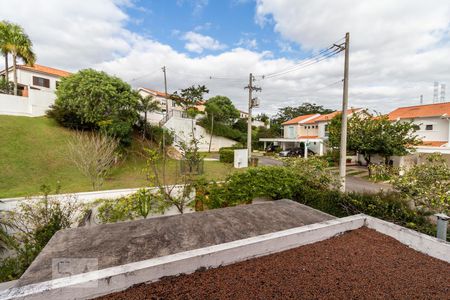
(308, 137)
(433, 143)
(45, 70)
(417, 111)
(157, 93)
(328, 117)
(299, 119)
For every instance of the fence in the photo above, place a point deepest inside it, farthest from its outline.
(36, 104)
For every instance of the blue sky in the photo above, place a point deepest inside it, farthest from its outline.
(231, 23)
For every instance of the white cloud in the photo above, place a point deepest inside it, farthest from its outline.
(247, 43)
(197, 42)
(397, 50)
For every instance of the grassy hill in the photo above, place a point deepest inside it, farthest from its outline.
(33, 152)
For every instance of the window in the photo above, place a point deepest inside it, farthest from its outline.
(39, 81)
(429, 127)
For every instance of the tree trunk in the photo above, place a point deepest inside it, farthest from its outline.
(7, 73)
(15, 74)
(367, 158)
(212, 131)
(145, 125)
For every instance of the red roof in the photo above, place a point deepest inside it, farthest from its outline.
(433, 143)
(45, 70)
(417, 111)
(299, 119)
(308, 137)
(328, 117)
(157, 93)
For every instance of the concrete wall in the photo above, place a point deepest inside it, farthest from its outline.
(440, 132)
(183, 128)
(15, 105)
(36, 104)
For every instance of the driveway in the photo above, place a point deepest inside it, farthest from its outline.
(361, 185)
(269, 161)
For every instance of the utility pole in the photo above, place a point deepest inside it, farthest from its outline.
(165, 90)
(343, 147)
(251, 103)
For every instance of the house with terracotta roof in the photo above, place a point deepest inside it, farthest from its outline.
(36, 77)
(312, 130)
(162, 98)
(36, 90)
(433, 121)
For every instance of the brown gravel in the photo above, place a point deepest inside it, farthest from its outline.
(361, 264)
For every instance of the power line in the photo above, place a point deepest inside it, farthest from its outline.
(305, 64)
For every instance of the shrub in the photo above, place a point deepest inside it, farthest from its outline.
(390, 206)
(382, 172)
(427, 184)
(224, 130)
(156, 134)
(34, 223)
(226, 155)
(91, 99)
(139, 204)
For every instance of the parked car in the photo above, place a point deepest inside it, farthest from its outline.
(295, 152)
(272, 148)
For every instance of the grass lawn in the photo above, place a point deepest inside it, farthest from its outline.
(33, 152)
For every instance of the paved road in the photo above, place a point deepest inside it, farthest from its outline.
(357, 184)
(353, 184)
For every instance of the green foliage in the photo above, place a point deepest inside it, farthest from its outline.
(224, 130)
(369, 135)
(382, 172)
(226, 155)
(427, 184)
(222, 109)
(287, 113)
(190, 97)
(34, 223)
(391, 207)
(6, 87)
(140, 204)
(91, 99)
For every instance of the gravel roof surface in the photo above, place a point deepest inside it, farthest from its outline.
(361, 264)
(121, 243)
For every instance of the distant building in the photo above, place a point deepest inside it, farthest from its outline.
(309, 129)
(432, 119)
(37, 77)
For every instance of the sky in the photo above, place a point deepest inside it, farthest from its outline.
(398, 49)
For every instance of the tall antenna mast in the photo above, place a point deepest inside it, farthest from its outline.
(442, 92)
(435, 92)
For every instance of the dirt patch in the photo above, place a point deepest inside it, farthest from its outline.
(358, 264)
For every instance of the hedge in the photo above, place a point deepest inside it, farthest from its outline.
(226, 155)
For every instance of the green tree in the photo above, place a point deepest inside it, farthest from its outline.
(91, 99)
(146, 105)
(223, 109)
(14, 41)
(287, 113)
(369, 135)
(427, 184)
(189, 97)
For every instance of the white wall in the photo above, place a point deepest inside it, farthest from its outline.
(14, 105)
(36, 104)
(26, 78)
(183, 128)
(440, 130)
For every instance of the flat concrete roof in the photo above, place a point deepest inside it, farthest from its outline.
(121, 243)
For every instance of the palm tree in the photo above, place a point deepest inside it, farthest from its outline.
(19, 45)
(146, 105)
(4, 36)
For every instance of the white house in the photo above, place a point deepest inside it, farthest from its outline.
(309, 129)
(161, 98)
(37, 77)
(36, 90)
